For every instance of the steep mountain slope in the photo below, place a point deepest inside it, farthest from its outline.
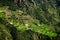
(31, 19)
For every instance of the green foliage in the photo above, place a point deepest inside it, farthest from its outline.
(44, 30)
(29, 16)
(2, 14)
(4, 33)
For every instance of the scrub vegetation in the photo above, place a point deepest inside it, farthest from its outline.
(29, 20)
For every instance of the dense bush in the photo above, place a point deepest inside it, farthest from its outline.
(29, 20)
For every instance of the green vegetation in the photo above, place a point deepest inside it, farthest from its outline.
(29, 20)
